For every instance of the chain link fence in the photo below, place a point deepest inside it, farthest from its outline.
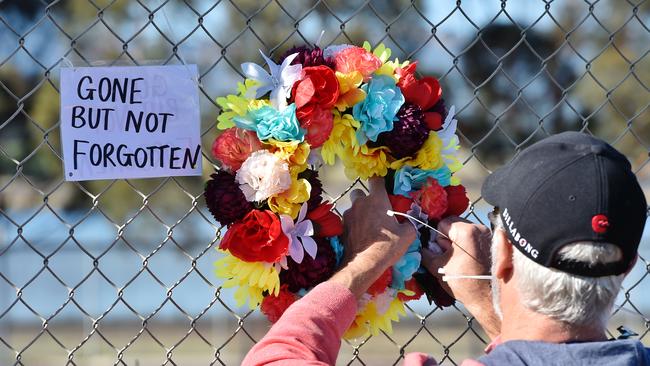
(120, 272)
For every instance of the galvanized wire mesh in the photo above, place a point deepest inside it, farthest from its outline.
(119, 272)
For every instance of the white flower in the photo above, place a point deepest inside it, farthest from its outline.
(263, 175)
(279, 82)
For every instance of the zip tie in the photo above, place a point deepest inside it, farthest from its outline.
(460, 277)
(393, 213)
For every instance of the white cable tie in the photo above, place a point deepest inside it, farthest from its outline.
(461, 277)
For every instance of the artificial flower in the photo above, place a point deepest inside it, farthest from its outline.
(408, 134)
(318, 86)
(381, 283)
(279, 81)
(290, 201)
(316, 194)
(365, 162)
(434, 117)
(234, 146)
(300, 235)
(342, 138)
(330, 52)
(383, 54)
(424, 92)
(258, 237)
(318, 122)
(457, 201)
(349, 91)
(225, 201)
(404, 268)
(449, 142)
(429, 157)
(263, 175)
(270, 123)
(408, 179)
(238, 105)
(274, 306)
(308, 56)
(379, 109)
(356, 59)
(252, 278)
(371, 321)
(432, 198)
(401, 204)
(338, 248)
(310, 272)
(326, 222)
(412, 291)
(294, 152)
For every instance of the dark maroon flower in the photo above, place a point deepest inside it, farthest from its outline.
(408, 134)
(316, 195)
(308, 56)
(224, 199)
(310, 272)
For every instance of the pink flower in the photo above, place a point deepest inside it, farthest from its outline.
(263, 175)
(357, 59)
(234, 146)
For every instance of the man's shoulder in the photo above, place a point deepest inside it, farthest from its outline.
(617, 352)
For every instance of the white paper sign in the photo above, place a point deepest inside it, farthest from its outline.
(130, 122)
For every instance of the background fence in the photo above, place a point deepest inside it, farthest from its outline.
(120, 272)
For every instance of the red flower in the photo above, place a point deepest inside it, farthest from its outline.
(315, 96)
(274, 306)
(319, 86)
(424, 92)
(258, 237)
(382, 282)
(318, 122)
(326, 223)
(457, 201)
(357, 59)
(432, 198)
(401, 204)
(412, 285)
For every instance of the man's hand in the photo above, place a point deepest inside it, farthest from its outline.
(373, 240)
(469, 254)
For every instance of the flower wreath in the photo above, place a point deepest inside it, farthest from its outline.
(313, 106)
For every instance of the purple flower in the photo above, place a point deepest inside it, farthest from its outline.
(310, 272)
(308, 56)
(224, 199)
(408, 134)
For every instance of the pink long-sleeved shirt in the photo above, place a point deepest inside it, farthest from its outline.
(309, 332)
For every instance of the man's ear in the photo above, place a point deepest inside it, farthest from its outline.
(503, 260)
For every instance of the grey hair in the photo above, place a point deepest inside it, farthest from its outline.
(571, 299)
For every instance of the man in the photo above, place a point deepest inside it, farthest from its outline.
(569, 219)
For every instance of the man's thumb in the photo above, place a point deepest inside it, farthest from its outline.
(432, 261)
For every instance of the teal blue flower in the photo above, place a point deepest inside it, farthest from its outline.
(336, 244)
(378, 111)
(409, 179)
(407, 265)
(270, 123)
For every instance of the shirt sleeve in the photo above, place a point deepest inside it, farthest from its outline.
(309, 332)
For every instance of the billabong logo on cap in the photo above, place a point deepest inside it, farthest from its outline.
(516, 235)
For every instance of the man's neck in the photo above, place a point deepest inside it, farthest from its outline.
(524, 324)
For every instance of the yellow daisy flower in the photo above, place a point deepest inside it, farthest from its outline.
(251, 278)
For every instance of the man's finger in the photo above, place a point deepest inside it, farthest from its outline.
(377, 185)
(355, 194)
(432, 262)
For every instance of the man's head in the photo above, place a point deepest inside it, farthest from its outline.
(571, 215)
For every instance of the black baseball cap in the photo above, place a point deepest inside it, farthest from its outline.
(567, 188)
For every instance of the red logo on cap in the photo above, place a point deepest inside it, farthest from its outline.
(600, 224)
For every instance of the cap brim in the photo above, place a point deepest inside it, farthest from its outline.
(492, 189)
